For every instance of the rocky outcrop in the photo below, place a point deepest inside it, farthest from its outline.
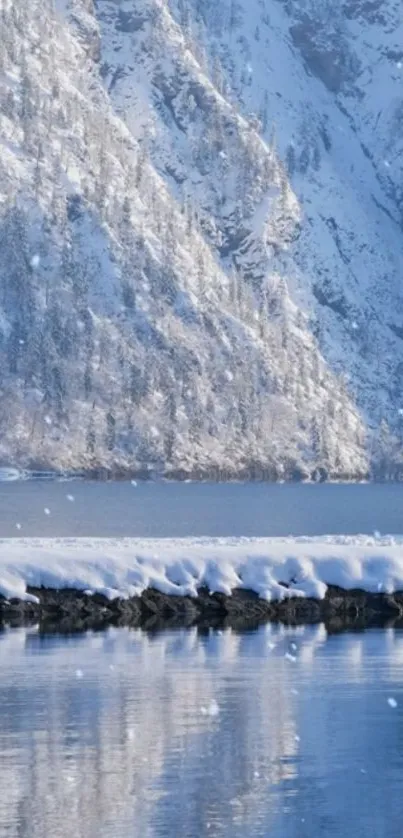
(73, 610)
(332, 65)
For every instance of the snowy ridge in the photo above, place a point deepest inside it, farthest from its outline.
(200, 237)
(274, 568)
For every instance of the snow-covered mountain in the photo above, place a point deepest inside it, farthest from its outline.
(201, 242)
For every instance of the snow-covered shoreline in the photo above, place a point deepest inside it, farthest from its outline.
(275, 569)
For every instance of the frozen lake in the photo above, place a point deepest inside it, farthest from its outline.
(75, 508)
(280, 733)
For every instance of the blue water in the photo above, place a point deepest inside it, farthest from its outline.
(191, 509)
(185, 735)
(182, 735)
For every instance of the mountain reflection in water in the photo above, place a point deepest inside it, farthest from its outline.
(280, 732)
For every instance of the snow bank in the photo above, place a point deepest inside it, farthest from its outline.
(126, 567)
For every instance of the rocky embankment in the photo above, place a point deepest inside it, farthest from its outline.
(72, 610)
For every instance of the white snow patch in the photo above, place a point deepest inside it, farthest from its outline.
(275, 568)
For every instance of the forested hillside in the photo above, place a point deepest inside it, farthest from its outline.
(201, 240)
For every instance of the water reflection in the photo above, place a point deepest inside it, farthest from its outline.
(114, 734)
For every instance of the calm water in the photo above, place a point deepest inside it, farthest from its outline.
(179, 735)
(279, 733)
(113, 509)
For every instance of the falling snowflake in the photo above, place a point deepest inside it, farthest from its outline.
(290, 657)
(399, 65)
(18, 526)
(46, 511)
(48, 420)
(354, 325)
(392, 702)
(386, 164)
(212, 710)
(70, 498)
(35, 261)
(133, 483)
(79, 673)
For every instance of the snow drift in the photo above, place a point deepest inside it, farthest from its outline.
(276, 568)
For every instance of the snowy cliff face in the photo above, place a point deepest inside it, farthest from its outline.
(200, 226)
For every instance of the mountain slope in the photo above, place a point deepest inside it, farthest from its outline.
(200, 254)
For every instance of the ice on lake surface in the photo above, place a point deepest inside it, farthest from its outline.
(103, 734)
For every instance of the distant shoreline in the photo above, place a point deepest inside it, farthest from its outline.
(12, 474)
(72, 610)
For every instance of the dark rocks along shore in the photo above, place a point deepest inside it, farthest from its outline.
(72, 610)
